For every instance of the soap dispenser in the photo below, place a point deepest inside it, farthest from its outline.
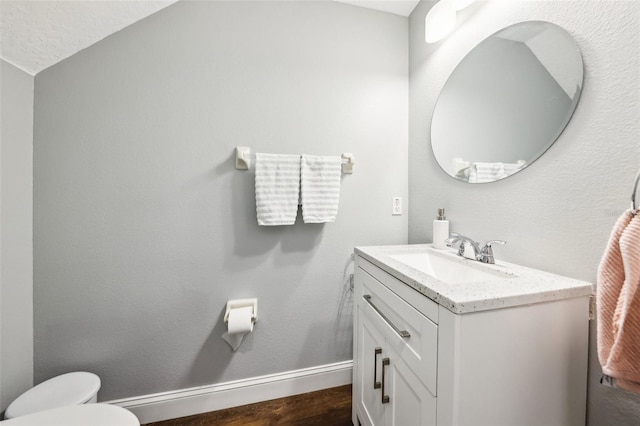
(440, 230)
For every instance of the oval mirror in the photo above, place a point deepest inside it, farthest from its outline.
(506, 102)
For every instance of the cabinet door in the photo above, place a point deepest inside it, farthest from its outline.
(410, 402)
(407, 399)
(368, 381)
(420, 350)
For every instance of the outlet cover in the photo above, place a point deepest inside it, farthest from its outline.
(396, 208)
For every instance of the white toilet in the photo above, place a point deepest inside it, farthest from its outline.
(78, 415)
(57, 401)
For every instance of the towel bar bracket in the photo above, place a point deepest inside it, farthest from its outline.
(347, 163)
(243, 162)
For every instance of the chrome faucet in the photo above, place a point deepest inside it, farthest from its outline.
(484, 254)
(457, 238)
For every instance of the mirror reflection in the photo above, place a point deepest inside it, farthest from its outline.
(506, 102)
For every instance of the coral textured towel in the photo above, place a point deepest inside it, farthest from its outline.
(618, 304)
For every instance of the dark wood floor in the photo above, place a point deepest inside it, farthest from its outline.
(328, 407)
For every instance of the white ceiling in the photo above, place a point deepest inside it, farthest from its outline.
(398, 7)
(37, 34)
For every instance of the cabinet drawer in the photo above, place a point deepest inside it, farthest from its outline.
(422, 303)
(395, 317)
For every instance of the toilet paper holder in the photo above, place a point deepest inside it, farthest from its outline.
(242, 303)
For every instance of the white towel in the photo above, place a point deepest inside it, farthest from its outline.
(489, 172)
(511, 168)
(320, 181)
(277, 188)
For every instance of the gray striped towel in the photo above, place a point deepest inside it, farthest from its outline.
(277, 188)
(320, 180)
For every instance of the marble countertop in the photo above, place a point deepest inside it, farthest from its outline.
(513, 285)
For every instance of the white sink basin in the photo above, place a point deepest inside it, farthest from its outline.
(450, 268)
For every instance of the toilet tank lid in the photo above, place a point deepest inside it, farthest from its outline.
(67, 389)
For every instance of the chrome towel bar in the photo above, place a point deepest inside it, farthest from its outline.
(634, 209)
(244, 157)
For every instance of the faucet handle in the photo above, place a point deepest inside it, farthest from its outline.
(486, 254)
(489, 243)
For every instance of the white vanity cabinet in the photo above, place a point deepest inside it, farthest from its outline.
(396, 358)
(418, 363)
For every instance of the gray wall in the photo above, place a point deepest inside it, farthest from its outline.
(557, 214)
(16, 239)
(143, 229)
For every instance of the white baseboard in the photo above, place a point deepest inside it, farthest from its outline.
(202, 399)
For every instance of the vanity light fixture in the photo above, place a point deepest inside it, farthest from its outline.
(441, 19)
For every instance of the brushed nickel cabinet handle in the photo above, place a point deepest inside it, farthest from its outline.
(385, 398)
(402, 333)
(376, 383)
